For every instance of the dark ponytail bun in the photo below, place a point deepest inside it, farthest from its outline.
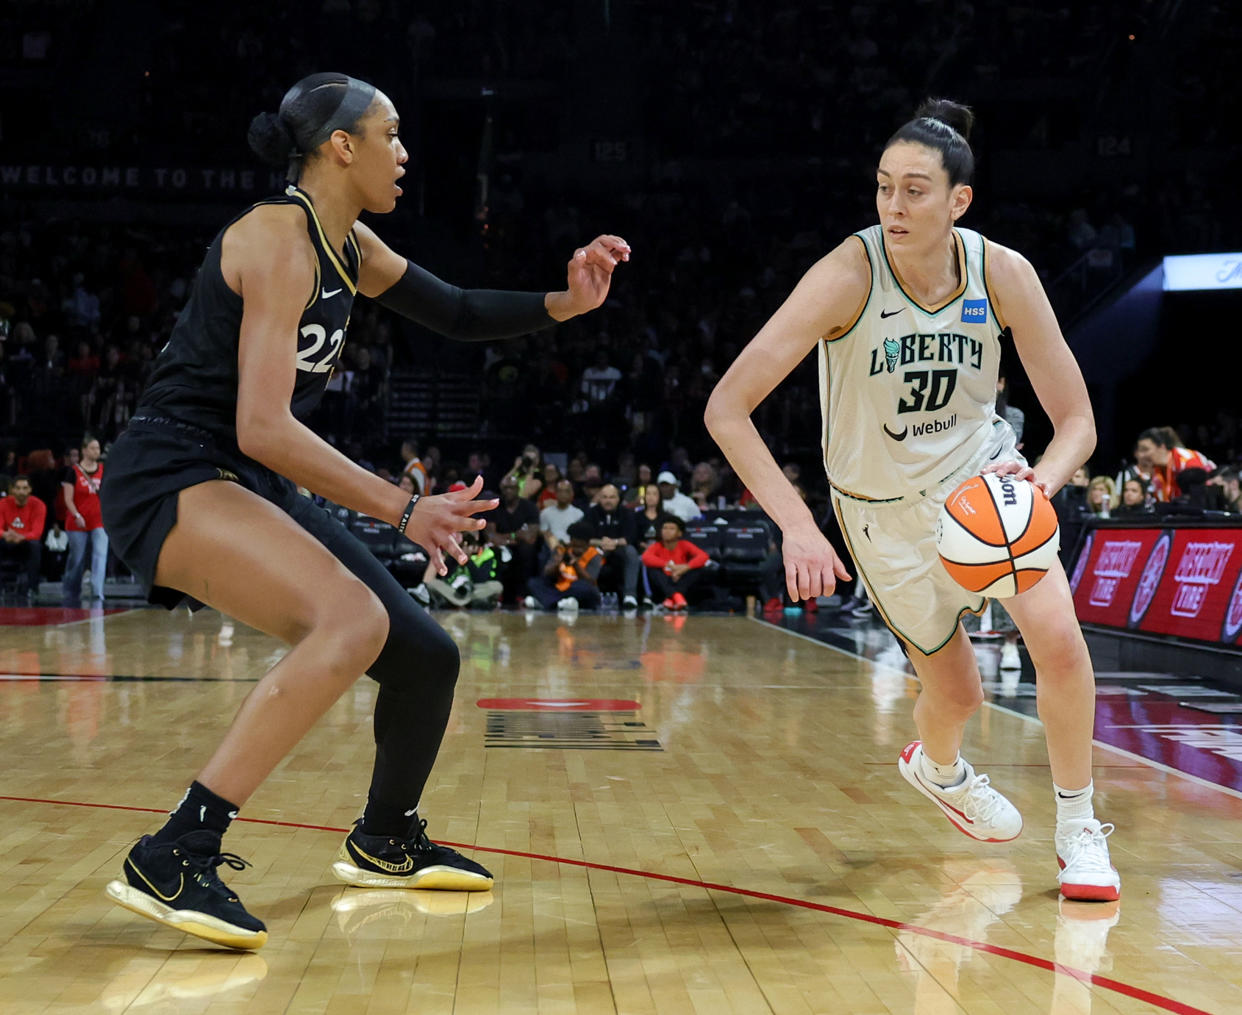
(944, 125)
(957, 116)
(271, 140)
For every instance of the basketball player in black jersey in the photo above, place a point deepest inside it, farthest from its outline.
(201, 500)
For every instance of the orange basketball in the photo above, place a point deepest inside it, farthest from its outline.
(997, 535)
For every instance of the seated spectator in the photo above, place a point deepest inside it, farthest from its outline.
(527, 468)
(648, 517)
(22, 519)
(704, 486)
(473, 584)
(413, 466)
(676, 502)
(642, 480)
(1227, 479)
(673, 564)
(547, 495)
(592, 483)
(556, 519)
(513, 526)
(1081, 477)
(1133, 469)
(614, 534)
(1158, 448)
(1101, 496)
(571, 577)
(1133, 500)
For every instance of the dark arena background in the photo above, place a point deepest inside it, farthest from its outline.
(751, 847)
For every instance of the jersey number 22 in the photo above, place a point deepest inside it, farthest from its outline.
(327, 358)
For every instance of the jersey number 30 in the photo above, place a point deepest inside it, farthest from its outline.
(930, 391)
(315, 359)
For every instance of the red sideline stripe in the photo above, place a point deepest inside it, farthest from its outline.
(559, 704)
(43, 616)
(1126, 989)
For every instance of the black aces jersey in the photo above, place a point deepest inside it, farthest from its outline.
(195, 377)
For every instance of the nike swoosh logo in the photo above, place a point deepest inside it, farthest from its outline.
(905, 430)
(328, 295)
(403, 867)
(151, 884)
(890, 313)
(947, 808)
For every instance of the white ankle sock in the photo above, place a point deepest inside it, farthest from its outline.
(944, 776)
(1074, 805)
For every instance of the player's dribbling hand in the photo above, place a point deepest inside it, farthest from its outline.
(435, 522)
(812, 566)
(589, 276)
(1020, 471)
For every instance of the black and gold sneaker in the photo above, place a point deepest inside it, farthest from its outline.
(382, 861)
(176, 884)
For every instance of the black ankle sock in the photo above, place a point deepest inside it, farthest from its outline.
(199, 809)
(386, 819)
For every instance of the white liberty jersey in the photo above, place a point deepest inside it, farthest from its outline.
(908, 392)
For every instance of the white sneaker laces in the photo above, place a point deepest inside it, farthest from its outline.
(982, 802)
(1087, 849)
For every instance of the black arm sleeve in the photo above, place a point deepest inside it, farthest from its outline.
(467, 315)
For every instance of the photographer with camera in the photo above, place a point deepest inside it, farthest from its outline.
(526, 467)
(571, 577)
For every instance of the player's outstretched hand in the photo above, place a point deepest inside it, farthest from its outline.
(812, 566)
(1020, 471)
(590, 274)
(435, 522)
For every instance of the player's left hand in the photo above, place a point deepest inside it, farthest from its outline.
(590, 274)
(1020, 471)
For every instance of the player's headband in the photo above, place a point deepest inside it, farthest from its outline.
(356, 99)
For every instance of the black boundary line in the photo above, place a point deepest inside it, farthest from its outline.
(117, 678)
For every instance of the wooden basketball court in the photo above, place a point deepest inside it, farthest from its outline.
(683, 814)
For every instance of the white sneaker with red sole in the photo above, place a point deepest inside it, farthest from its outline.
(973, 806)
(1087, 874)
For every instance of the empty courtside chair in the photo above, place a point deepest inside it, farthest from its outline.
(707, 536)
(744, 547)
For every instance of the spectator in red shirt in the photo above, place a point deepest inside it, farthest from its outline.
(22, 518)
(673, 564)
(84, 524)
(1159, 450)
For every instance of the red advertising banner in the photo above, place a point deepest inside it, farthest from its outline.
(1185, 582)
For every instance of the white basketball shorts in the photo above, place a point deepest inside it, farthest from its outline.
(894, 549)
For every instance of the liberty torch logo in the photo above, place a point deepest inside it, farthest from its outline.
(892, 349)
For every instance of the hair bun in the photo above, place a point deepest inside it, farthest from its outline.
(957, 116)
(270, 139)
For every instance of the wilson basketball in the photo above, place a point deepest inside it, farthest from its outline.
(997, 535)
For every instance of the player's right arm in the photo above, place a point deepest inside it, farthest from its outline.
(823, 305)
(268, 260)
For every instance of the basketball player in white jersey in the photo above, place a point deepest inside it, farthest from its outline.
(908, 317)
